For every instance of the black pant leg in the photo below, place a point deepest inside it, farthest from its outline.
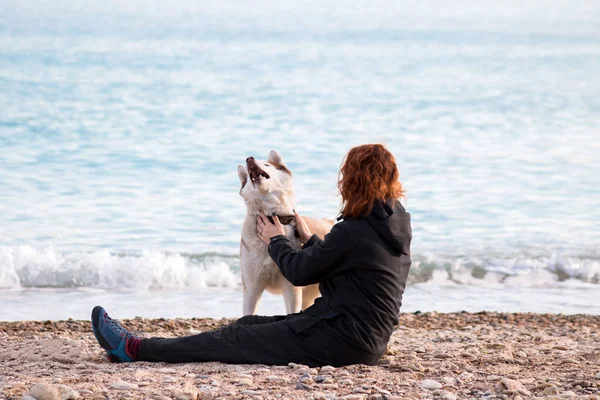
(259, 319)
(238, 343)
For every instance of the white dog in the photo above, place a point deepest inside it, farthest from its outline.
(267, 188)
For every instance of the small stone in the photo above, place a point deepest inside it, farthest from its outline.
(542, 386)
(245, 381)
(527, 381)
(582, 384)
(205, 393)
(521, 354)
(185, 395)
(167, 370)
(448, 396)
(568, 361)
(265, 370)
(27, 397)
(346, 382)
(320, 379)
(365, 390)
(275, 378)
(44, 391)
(550, 390)
(514, 386)
(91, 387)
(330, 386)
(568, 394)
(319, 396)
(383, 391)
(122, 385)
(430, 384)
(597, 375)
(302, 386)
(169, 379)
(215, 383)
(465, 376)
(448, 381)
(327, 368)
(250, 392)
(403, 367)
(413, 395)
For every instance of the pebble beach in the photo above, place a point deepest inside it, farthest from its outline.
(430, 356)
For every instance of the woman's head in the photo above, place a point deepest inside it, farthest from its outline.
(368, 174)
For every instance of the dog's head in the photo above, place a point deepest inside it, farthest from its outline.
(267, 185)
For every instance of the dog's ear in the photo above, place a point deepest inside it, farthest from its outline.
(275, 158)
(242, 174)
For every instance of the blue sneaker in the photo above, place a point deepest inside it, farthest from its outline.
(112, 336)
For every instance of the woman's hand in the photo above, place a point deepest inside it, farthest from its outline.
(266, 230)
(303, 230)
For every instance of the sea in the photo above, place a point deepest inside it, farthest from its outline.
(122, 124)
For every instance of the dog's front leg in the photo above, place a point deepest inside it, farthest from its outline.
(252, 295)
(292, 297)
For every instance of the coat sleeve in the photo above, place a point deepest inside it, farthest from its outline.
(316, 260)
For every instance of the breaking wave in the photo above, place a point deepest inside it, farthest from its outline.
(28, 267)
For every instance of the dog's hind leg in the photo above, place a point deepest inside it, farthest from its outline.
(252, 296)
(309, 294)
(292, 297)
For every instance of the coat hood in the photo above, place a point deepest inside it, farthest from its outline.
(392, 223)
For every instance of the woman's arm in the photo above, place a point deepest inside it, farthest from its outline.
(317, 258)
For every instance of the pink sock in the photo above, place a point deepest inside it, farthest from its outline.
(132, 347)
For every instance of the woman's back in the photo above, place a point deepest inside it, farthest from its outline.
(367, 284)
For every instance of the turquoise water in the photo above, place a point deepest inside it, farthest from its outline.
(121, 127)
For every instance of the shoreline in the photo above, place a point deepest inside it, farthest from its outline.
(450, 356)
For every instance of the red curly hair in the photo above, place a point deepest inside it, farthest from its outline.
(368, 174)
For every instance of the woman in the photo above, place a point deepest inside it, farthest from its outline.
(361, 266)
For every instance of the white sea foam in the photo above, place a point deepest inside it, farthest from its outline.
(523, 271)
(28, 267)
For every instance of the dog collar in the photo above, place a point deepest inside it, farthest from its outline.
(284, 219)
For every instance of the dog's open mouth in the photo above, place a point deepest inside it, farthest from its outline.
(254, 171)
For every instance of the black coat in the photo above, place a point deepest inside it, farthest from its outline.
(361, 267)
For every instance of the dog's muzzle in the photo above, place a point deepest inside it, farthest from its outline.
(254, 171)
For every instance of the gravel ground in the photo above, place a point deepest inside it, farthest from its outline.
(431, 356)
